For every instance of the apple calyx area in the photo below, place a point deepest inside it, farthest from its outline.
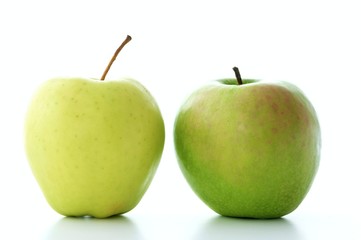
(127, 39)
(238, 75)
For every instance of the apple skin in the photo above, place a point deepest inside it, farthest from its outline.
(248, 150)
(93, 146)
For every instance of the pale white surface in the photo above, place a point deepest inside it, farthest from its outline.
(178, 46)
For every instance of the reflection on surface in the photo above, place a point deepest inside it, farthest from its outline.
(250, 229)
(118, 227)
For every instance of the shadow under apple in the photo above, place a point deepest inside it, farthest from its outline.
(250, 229)
(117, 227)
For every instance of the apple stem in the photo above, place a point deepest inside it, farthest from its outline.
(127, 39)
(238, 75)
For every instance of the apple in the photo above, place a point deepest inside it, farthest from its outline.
(93, 145)
(248, 148)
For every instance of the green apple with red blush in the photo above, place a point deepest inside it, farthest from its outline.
(248, 148)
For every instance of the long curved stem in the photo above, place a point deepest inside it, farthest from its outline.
(127, 39)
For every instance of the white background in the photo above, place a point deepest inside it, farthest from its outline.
(178, 46)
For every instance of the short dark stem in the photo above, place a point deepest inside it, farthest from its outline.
(127, 39)
(238, 75)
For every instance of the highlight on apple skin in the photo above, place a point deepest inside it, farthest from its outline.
(93, 145)
(248, 148)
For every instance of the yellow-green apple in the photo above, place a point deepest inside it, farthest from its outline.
(248, 148)
(93, 145)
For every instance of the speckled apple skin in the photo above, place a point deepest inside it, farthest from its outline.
(93, 146)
